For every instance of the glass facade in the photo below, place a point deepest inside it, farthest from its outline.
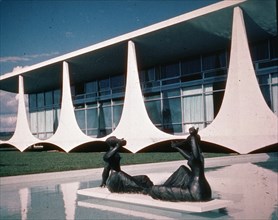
(177, 95)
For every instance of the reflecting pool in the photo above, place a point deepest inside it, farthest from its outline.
(252, 187)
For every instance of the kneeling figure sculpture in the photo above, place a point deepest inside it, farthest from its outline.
(114, 178)
(185, 184)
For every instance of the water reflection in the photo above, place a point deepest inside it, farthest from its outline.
(49, 202)
(69, 191)
(253, 188)
(25, 202)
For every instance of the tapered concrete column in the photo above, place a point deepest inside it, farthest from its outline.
(22, 137)
(68, 134)
(135, 125)
(244, 123)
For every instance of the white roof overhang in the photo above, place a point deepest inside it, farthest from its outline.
(200, 31)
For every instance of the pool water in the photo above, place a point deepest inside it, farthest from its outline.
(252, 187)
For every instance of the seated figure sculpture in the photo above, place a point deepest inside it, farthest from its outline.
(116, 180)
(185, 184)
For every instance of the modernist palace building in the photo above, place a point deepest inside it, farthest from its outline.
(215, 68)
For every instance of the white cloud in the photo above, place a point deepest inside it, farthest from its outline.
(69, 34)
(8, 111)
(8, 102)
(15, 59)
(7, 122)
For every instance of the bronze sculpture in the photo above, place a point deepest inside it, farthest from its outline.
(116, 180)
(185, 184)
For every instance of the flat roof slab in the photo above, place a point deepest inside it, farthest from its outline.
(190, 34)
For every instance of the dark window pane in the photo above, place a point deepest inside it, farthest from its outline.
(215, 73)
(169, 71)
(104, 84)
(266, 93)
(272, 63)
(40, 99)
(214, 61)
(274, 47)
(117, 112)
(48, 98)
(92, 118)
(149, 75)
(117, 81)
(171, 93)
(192, 65)
(171, 111)
(57, 97)
(154, 111)
(170, 81)
(259, 51)
(79, 89)
(80, 118)
(32, 101)
(91, 87)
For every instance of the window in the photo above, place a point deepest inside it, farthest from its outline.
(32, 101)
(79, 89)
(49, 99)
(274, 48)
(154, 111)
(49, 122)
(33, 122)
(216, 73)
(57, 97)
(117, 84)
(214, 61)
(193, 107)
(218, 94)
(169, 71)
(117, 112)
(91, 87)
(92, 118)
(104, 84)
(171, 114)
(80, 118)
(41, 122)
(149, 75)
(259, 51)
(40, 100)
(192, 65)
(117, 81)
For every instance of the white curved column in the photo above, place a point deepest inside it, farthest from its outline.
(22, 137)
(135, 126)
(244, 123)
(68, 134)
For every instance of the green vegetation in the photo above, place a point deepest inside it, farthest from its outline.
(16, 163)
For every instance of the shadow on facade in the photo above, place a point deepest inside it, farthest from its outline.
(166, 147)
(8, 147)
(43, 147)
(266, 149)
(96, 146)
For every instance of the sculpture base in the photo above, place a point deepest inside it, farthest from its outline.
(144, 200)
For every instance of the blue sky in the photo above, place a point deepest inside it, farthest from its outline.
(35, 31)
